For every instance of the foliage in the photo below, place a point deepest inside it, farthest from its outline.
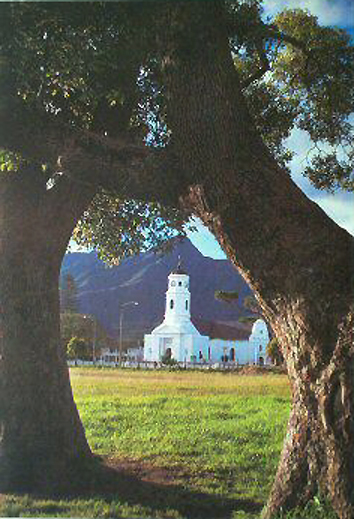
(78, 349)
(83, 68)
(226, 296)
(247, 319)
(83, 326)
(251, 303)
(76, 61)
(120, 228)
(169, 361)
(9, 162)
(297, 74)
(317, 508)
(68, 295)
(167, 358)
(274, 351)
(320, 77)
(96, 67)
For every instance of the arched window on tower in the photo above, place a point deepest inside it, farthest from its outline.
(186, 304)
(171, 304)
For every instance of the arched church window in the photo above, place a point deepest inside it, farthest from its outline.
(186, 284)
(173, 283)
(179, 283)
(171, 304)
(187, 304)
(260, 347)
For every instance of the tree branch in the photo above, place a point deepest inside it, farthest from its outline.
(272, 31)
(262, 70)
(144, 174)
(41, 137)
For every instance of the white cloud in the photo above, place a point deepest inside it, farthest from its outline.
(329, 12)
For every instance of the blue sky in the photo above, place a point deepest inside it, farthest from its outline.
(339, 206)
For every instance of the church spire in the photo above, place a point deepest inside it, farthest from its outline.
(179, 269)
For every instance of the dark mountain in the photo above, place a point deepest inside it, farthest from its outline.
(102, 289)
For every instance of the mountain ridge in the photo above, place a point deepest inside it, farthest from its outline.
(101, 289)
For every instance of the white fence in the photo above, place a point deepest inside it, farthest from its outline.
(144, 364)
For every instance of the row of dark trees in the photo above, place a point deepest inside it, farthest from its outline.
(131, 117)
(79, 333)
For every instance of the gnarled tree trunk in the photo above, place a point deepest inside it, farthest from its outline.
(298, 262)
(41, 435)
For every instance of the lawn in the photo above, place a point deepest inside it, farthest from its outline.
(183, 444)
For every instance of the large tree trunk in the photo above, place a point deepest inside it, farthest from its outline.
(298, 262)
(42, 439)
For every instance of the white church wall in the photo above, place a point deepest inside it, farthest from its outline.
(236, 351)
(200, 348)
(184, 350)
(149, 352)
(259, 340)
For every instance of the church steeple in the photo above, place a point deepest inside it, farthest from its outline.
(179, 269)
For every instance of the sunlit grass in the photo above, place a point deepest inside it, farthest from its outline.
(219, 435)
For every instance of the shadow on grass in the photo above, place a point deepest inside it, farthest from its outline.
(110, 485)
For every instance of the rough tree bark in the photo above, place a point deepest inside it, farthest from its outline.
(41, 437)
(298, 261)
(295, 258)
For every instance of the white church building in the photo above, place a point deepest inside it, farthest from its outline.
(177, 338)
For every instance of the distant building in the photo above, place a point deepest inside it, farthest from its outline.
(250, 349)
(135, 354)
(177, 337)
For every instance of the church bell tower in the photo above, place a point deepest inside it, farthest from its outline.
(178, 297)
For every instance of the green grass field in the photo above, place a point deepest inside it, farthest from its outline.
(184, 444)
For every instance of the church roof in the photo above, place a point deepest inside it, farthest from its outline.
(259, 329)
(220, 330)
(182, 327)
(179, 269)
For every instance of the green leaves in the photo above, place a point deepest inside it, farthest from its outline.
(226, 296)
(97, 66)
(318, 76)
(327, 171)
(121, 228)
(274, 115)
(72, 60)
(9, 162)
(298, 74)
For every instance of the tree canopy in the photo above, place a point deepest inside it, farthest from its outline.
(88, 78)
